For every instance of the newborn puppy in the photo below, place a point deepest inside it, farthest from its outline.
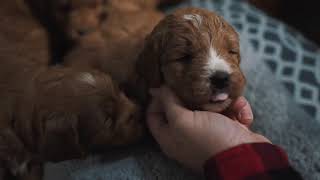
(116, 46)
(196, 53)
(114, 50)
(55, 114)
(78, 17)
(81, 17)
(52, 113)
(83, 110)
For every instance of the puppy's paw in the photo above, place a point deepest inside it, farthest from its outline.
(123, 127)
(129, 126)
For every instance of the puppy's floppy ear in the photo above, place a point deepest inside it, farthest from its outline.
(149, 61)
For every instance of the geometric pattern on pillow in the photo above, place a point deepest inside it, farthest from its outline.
(294, 60)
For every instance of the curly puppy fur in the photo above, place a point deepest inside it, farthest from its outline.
(81, 17)
(114, 48)
(45, 108)
(196, 53)
(193, 51)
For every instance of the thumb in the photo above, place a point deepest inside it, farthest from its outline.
(241, 111)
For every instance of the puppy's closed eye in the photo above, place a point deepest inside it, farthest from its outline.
(234, 51)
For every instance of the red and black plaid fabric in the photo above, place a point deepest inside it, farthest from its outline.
(258, 161)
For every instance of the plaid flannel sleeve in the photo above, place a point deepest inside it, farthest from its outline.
(258, 161)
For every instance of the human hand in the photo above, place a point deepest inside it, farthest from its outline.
(240, 111)
(192, 137)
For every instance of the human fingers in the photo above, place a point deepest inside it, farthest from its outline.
(241, 111)
(172, 106)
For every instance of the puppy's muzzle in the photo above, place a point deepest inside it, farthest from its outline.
(220, 80)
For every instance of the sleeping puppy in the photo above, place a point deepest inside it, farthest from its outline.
(114, 50)
(113, 42)
(78, 18)
(196, 53)
(115, 47)
(52, 113)
(55, 114)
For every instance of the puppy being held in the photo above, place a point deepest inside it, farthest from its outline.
(196, 53)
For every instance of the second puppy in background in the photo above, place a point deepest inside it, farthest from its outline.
(53, 113)
(114, 47)
(78, 18)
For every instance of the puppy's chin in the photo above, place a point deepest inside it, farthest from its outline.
(217, 107)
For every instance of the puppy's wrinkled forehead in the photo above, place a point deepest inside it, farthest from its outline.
(195, 19)
(195, 25)
(209, 25)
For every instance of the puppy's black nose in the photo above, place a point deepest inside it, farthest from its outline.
(220, 79)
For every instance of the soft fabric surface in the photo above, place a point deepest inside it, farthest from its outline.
(276, 115)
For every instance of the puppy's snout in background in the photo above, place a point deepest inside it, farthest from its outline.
(83, 25)
(83, 31)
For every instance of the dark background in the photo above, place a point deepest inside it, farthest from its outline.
(304, 15)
